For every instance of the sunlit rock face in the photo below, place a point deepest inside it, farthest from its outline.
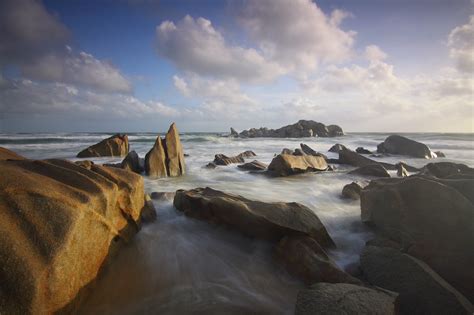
(117, 145)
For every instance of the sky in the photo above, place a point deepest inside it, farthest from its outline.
(138, 65)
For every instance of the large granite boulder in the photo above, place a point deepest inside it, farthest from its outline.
(285, 164)
(396, 144)
(166, 157)
(117, 145)
(271, 221)
(60, 223)
(303, 128)
(375, 170)
(304, 258)
(6, 154)
(344, 298)
(421, 290)
(432, 219)
(155, 160)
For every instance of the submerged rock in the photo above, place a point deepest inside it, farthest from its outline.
(253, 166)
(344, 298)
(271, 221)
(60, 223)
(221, 159)
(375, 170)
(117, 145)
(303, 128)
(285, 164)
(421, 290)
(433, 220)
(396, 144)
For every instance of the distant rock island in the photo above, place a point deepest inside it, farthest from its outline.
(303, 128)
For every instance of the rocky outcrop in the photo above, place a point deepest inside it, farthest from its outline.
(343, 298)
(221, 159)
(352, 190)
(421, 290)
(233, 133)
(362, 150)
(117, 145)
(309, 151)
(396, 144)
(149, 212)
(432, 219)
(271, 221)
(447, 170)
(60, 223)
(6, 154)
(375, 170)
(253, 166)
(286, 165)
(166, 158)
(337, 148)
(304, 258)
(303, 128)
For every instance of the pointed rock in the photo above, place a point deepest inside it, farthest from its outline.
(155, 160)
(174, 152)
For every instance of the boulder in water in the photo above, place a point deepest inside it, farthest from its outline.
(396, 144)
(132, 163)
(337, 148)
(352, 191)
(253, 166)
(375, 170)
(155, 160)
(117, 145)
(362, 150)
(285, 164)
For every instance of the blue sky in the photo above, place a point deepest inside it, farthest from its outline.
(138, 65)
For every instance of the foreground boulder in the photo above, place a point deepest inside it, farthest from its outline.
(253, 166)
(343, 298)
(421, 290)
(375, 170)
(6, 154)
(303, 128)
(396, 144)
(117, 145)
(433, 220)
(60, 223)
(166, 158)
(285, 164)
(271, 221)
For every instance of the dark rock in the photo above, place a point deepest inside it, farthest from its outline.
(344, 298)
(303, 128)
(211, 165)
(304, 258)
(337, 148)
(440, 154)
(361, 150)
(421, 290)
(298, 152)
(306, 149)
(247, 154)
(446, 169)
(285, 165)
(333, 161)
(233, 133)
(383, 242)
(117, 145)
(287, 151)
(253, 166)
(148, 213)
(401, 171)
(131, 163)
(271, 221)
(432, 220)
(352, 191)
(161, 195)
(375, 170)
(396, 144)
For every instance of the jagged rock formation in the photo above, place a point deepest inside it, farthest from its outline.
(60, 222)
(222, 159)
(117, 145)
(166, 158)
(303, 128)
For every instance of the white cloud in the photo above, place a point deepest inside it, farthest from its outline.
(461, 44)
(374, 53)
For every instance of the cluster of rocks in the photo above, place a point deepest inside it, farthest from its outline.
(61, 222)
(303, 128)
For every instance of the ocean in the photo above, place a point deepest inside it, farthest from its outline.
(179, 265)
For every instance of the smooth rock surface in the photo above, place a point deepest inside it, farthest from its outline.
(174, 153)
(117, 145)
(396, 144)
(286, 165)
(155, 160)
(352, 191)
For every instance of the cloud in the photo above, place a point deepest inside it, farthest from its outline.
(461, 45)
(374, 53)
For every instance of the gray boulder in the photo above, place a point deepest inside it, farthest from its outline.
(396, 144)
(375, 170)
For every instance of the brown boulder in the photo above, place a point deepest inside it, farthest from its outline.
(60, 223)
(270, 221)
(6, 154)
(421, 290)
(285, 164)
(221, 159)
(344, 298)
(149, 212)
(155, 160)
(117, 145)
(174, 153)
(432, 219)
(375, 170)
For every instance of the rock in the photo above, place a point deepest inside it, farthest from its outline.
(155, 160)
(161, 195)
(253, 166)
(233, 133)
(131, 163)
(287, 151)
(440, 154)
(352, 191)
(307, 150)
(432, 220)
(285, 165)
(446, 169)
(174, 153)
(211, 165)
(303, 128)
(333, 161)
(271, 221)
(149, 212)
(85, 164)
(396, 144)
(247, 154)
(350, 157)
(375, 170)
(421, 290)
(344, 298)
(304, 258)
(221, 159)
(401, 171)
(60, 224)
(337, 148)
(298, 152)
(362, 150)
(117, 145)
(6, 154)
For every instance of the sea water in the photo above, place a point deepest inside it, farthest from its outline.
(178, 265)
